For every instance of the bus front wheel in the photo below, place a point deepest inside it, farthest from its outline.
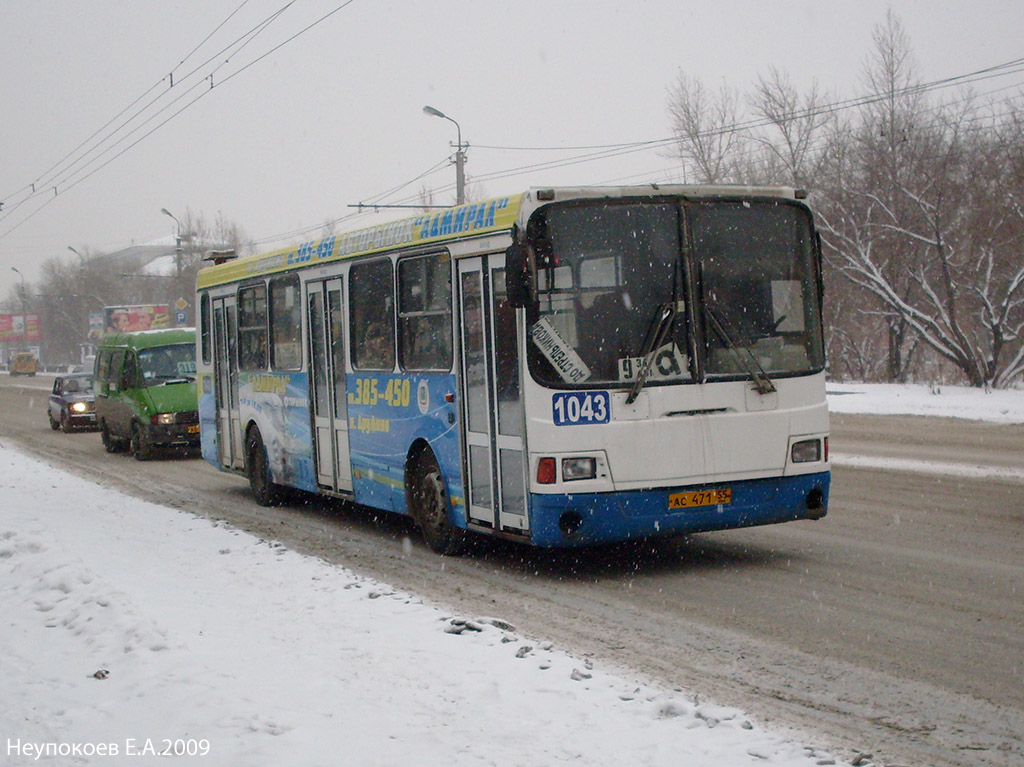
(428, 503)
(266, 491)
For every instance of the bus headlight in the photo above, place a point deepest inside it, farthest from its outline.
(578, 468)
(164, 419)
(806, 451)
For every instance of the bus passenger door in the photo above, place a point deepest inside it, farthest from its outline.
(327, 385)
(492, 410)
(225, 368)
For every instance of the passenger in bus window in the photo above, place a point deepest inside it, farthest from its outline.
(376, 344)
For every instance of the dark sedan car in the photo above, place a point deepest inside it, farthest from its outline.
(71, 403)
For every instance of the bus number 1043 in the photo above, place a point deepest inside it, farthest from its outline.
(576, 408)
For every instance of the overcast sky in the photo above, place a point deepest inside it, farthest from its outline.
(334, 117)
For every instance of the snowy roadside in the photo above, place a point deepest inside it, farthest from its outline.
(132, 629)
(1000, 406)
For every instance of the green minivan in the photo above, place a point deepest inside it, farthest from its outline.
(145, 387)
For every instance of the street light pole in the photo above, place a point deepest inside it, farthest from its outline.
(177, 240)
(81, 259)
(24, 311)
(460, 156)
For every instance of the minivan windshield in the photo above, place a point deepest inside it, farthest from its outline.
(175, 363)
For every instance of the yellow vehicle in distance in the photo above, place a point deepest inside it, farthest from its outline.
(24, 364)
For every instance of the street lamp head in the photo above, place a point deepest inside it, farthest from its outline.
(166, 212)
(434, 112)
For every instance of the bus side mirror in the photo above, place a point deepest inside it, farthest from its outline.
(517, 277)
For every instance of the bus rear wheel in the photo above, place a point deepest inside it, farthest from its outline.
(257, 465)
(427, 498)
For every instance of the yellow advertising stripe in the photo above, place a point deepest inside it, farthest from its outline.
(446, 225)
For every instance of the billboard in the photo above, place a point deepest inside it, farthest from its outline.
(96, 326)
(120, 319)
(20, 327)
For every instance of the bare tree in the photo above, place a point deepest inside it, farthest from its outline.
(795, 141)
(68, 290)
(943, 253)
(921, 208)
(707, 129)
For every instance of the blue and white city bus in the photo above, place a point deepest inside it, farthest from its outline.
(561, 367)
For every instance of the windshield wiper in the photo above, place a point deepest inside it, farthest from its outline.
(762, 383)
(653, 341)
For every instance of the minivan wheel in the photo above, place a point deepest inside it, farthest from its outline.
(53, 424)
(65, 422)
(141, 449)
(110, 443)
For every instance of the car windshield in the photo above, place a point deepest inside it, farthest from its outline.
(76, 384)
(167, 364)
(630, 293)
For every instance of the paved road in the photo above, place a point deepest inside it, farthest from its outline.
(895, 626)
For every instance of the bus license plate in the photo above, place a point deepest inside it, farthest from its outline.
(698, 498)
(193, 429)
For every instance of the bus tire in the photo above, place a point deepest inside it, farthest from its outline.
(427, 499)
(140, 447)
(257, 467)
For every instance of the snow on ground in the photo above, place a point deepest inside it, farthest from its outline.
(1004, 407)
(211, 641)
(132, 631)
(998, 406)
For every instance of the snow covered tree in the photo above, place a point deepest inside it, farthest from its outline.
(922, 214)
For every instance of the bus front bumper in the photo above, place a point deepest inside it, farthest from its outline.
(591, 518)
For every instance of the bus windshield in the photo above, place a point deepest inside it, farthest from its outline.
(160, 365)
(672, 292)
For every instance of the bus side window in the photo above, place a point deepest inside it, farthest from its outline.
(285, 323)
(425, 312)
(252, 327)
(372, 325)
(204, 328)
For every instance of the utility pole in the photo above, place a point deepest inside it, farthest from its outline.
(24, 311)
(460, 156)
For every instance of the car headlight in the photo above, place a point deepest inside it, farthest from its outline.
(79, 407)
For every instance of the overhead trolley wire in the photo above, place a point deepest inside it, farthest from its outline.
(240, 42)
(41, 180)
